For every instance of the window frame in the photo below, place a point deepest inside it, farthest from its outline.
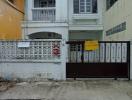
(85, 7)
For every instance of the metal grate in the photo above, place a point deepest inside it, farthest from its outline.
(44, 14)
(108, 52)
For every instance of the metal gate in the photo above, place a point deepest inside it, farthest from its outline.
(110, 60)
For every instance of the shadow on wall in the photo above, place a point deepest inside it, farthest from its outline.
(45, 35)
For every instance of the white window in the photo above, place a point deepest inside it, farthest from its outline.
(85, 6)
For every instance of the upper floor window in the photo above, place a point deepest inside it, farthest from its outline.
(44, 3)
(85, 6)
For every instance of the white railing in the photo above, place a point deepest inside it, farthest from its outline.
(44, 14)
(30, 51)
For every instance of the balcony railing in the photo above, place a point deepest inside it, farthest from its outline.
(44, 14)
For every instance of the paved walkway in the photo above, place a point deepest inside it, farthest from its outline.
(71, 90)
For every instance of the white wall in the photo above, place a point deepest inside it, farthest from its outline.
(29, 6)
(34, 71)
(34, 27)
(64, 11)
(61, 10)
(89, 19)
(58, 70)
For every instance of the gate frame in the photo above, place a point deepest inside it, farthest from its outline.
(105, 63)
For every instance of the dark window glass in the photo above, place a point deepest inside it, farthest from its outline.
(76, 6)
(85, 6)
(110, 3)
(94, 5)
(44, 3)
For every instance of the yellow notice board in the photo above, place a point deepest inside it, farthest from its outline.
(91, 45)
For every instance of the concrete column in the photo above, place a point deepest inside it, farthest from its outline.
(58, 9)
(64, 52)
(100, 11)
(29, 7)
(61, 10)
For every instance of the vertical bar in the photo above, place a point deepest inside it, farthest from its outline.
(121, 53)
(94, 56)
(99, 53)
(76, 48)
(69, 52)
(110, 52)
(128, 58)
(88, 56)
(116, 53)
(105, 53)
(82, 52)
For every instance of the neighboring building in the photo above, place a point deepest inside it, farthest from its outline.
(69, 19)
(117, 20)
(11, 15)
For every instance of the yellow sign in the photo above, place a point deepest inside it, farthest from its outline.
(91, 45)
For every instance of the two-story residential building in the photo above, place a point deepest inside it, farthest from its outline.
(66, 19)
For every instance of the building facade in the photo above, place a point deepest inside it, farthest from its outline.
(11, 15)
(117, 20)
(66, 19)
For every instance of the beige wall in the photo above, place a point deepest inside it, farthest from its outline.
(120, 12)
(10, 19)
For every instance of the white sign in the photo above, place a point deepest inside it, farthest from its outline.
(23, 44)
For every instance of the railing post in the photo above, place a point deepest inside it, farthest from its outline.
(129, 48)
(82, 57)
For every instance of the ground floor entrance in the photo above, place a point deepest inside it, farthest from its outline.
(110, 60)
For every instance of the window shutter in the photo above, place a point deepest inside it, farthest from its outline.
(76, 6)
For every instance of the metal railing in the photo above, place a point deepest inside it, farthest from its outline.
(30, 51)
(44, 14)
(108, 52)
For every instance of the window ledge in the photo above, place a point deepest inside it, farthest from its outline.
(85, 16)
